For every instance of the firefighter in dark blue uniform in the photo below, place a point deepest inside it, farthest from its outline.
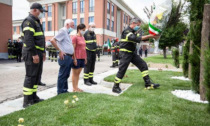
(91, 46)
(33, 53)
(10, 47)
(115, 53)
(129, 39)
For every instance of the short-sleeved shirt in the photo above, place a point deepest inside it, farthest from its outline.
(80, 51)
(64, 41)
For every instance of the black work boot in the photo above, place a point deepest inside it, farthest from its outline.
(92, 82)
(116, 88)
(36, 98)
(149, 84)
(86, 82)
(41, 84)
(27, 101)
(113, 65)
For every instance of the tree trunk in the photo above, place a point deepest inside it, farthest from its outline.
(164, 52)
(204, 46)
(190, 53)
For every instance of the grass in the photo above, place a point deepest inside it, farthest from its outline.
(160, 59)
(135, 107)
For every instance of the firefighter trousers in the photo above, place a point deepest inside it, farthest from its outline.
(125, 59)
(33, 72)
(90, 66)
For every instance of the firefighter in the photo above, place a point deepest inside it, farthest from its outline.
(18, 47)
(48, 48)
(14, 49)
(9, 46)
(33, 53)
(114, 50)
(53, 54)
(117, 51)
(98, 51)
(90, 39)
(127, 54)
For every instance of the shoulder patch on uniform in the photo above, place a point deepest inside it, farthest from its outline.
(27, 23)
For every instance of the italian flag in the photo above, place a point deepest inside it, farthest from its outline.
(109, 44)
(153, 30)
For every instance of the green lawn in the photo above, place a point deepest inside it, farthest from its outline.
(135, 107)
(160, 59)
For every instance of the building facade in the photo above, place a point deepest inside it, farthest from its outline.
(110, 17)
(5, 26)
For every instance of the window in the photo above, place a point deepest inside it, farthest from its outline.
(112, 10)
(126, 17)
(112, 26)
(82, 6)
(63, 7)
(14, 29)
(91, 5)
(75, 22)
(20, 29)
(90, 19)
(108, 8)
(49, 25)
(43, 12)
(82, 21)
(43, 25)
(74, 7)
(108, 24)
(49, 11)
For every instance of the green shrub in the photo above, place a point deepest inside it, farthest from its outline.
(176, 57)
(185, 63)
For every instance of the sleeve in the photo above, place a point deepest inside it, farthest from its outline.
(60, 36)
(29, 31)
(132, 37)
(74, 40)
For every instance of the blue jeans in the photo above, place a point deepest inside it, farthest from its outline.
(64, 73)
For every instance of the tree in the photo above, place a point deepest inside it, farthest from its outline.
(174, 31)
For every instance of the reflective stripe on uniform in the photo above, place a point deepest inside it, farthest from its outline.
(90, 49)
(38, 34)
(125, 50)
(86, 76)
(27, 91)
(117, 80)
(37, 47)
(145, 73)
(130, 33)
(90, 41)
(29, 28)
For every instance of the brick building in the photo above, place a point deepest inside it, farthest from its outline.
(110, 16)
(5, 26)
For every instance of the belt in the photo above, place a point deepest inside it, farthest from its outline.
(69, 54)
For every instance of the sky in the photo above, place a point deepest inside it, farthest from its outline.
(20, 8)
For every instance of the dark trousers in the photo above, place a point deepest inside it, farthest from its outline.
(64, 73)
(19, 55)
(114, 58)
(33, 72)
(10, 56)
(125, 59)
(90, 66)
(54, 56)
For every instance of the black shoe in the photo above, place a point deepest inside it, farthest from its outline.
(149, 84)
(92, 82)
(27, 101)
(113, 66)
(36, 98)
(116, 88)
(41, 84)
(86, 82)
(152, 85)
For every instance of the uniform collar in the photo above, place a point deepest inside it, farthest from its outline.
(33, 17)
(130, 29)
